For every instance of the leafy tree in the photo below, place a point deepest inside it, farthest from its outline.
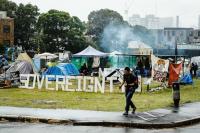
(98, 20)
(8, 6)
(61, 32)
(25, 25)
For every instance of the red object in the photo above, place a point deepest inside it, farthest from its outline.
(174, 71)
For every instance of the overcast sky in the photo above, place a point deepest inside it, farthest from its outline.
(188, 10)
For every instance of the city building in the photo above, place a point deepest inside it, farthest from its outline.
(6, 29)
(187, 40)
(199, 22)
(194, 37)
(178, 35)
(151, 21)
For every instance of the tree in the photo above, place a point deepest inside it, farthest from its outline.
(25, 25)
(61, 32)
(98, 20)
(8, 6)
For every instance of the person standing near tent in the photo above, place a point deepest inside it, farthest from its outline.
(140, 66)
(84, 70)
(192, 69)
(131, 84)
(195, 69)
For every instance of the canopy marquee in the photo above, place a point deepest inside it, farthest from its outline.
(139, 48)
(90, 52)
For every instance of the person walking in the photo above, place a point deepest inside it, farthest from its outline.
(195, 69)
(131, 84)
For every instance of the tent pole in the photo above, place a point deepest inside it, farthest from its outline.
(183, 65)
(118, 61)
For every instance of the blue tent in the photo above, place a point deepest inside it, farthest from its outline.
(66, 69)
(186, 79)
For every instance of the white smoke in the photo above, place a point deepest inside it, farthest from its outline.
(116, 37)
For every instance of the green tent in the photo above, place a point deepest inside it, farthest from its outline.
(79, 61)
(121, 61)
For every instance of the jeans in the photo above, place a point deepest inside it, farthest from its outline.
(129, 94)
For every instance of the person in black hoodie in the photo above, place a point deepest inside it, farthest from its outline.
(131, 84)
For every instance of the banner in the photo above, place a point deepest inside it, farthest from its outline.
(159, 68)
(174, 71)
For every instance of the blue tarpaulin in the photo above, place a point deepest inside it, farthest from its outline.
(66, 69)
(186, 79)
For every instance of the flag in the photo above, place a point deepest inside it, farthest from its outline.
(174, 71)
(159, 68)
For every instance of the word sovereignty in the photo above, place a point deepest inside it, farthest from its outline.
(65, 83)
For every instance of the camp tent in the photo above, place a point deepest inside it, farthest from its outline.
(90, 52)
(79, 61)
(118, 60)
(83, 57)
(25, 57)
(139, 48)
(66, 69)
(186, 79)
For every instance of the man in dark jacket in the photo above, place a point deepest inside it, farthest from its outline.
(131, 84)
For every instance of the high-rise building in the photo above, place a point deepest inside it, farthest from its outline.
(151, 21)
(199, 22)
(177, 21)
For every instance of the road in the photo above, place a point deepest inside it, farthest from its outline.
(16, 127)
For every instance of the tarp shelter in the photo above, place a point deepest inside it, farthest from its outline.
(196, 59)
(139, 48)
(25, 57)
(90, 52)
(186, 79)
(66, 69)
(24, 67)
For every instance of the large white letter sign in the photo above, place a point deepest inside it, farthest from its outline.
(48, 81)
(24, 80)
(40, 83)
(34, 80)
(79, 79)
(88, 87)
(83, 83)
(111, 83)
(98, 84)
(68, 83)
(60, 80)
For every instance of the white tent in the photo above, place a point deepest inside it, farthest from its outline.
(46, 56)
(138, 47)
(90, 52)
(196, 59)
(115, 53)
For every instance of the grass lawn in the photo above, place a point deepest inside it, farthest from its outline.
(95, 101)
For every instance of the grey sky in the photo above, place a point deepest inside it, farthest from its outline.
(188, 10)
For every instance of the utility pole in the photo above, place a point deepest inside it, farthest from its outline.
(176, 49)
